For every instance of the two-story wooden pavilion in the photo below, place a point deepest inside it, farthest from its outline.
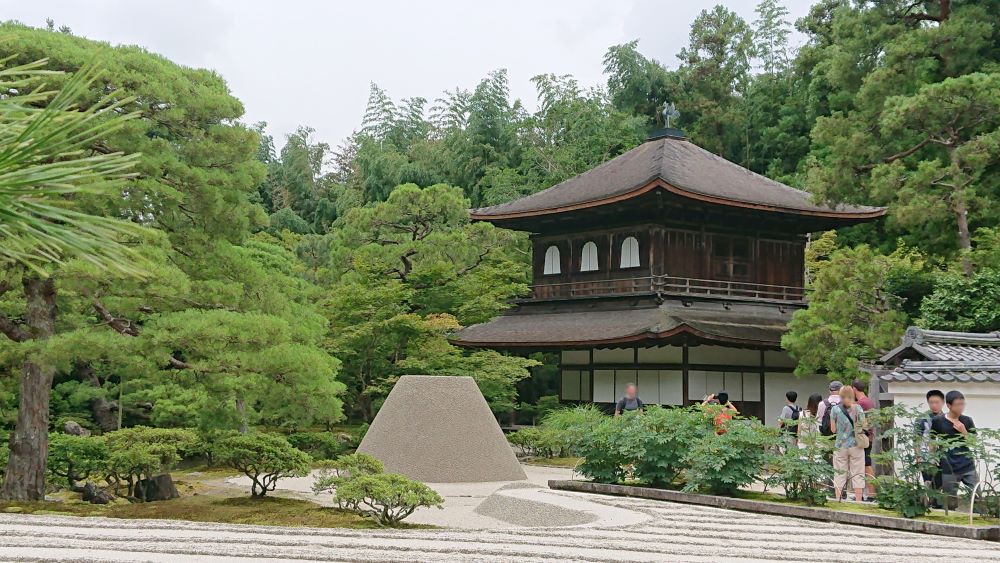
(667, 266)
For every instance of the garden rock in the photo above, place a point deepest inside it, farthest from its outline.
(96, 495)
(160, 487)
(73, 427)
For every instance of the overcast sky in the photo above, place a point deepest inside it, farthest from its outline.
(294, 62)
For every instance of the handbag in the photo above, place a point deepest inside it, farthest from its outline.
(860, 437)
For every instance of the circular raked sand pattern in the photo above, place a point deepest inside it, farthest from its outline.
(658, 531)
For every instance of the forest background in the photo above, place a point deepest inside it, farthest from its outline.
(288, 288)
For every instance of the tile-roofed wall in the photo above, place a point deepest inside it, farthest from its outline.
(946, 371)
(954, 346)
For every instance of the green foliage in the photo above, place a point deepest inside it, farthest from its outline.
(387, 497)
(907, 498)
(319, 445)
(264, 458)
(536, 441)
(42, 138)
(912, 456)
(803, 471)
(572, 425)
(141, 452)
(76, 458)
(853, 314)
(964, 303)
(606, 459)
(334, 473)
(359, 484)
(722, 463)
(660, 440)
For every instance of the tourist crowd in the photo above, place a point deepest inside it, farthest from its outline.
(842, 416)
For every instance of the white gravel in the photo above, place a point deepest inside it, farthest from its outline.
(622, 529)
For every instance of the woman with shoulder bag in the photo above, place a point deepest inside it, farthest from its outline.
(847, 420)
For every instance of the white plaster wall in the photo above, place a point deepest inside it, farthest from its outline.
(776, 384)
(982, 400)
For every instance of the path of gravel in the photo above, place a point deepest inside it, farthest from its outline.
(655, 531)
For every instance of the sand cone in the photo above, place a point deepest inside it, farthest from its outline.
(439, 429)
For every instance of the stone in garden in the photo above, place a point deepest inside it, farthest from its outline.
(439, 429)
(96, 495)
(73, 427)
(160, 487)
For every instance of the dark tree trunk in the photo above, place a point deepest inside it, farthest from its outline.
(104, 411)
(241, 411)
(25, 476)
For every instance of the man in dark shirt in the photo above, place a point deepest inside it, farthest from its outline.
(957, 465)
(630, 402)
(922, 428)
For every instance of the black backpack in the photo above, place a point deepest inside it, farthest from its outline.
(792, 424)
(825, 428)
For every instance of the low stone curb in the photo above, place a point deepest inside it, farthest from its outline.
(990, 533)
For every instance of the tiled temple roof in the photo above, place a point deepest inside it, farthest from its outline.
(679, 166)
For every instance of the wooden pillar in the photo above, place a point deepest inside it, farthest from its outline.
(684, 373)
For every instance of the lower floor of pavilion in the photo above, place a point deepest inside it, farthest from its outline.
(756, 380)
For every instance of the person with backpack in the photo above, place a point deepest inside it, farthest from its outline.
(788, 420)
(808, 423)
(631, 400)
(823, 414)
(847, 419)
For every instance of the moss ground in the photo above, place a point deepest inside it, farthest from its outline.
(204, 499)
(938, 516)
(554, 461)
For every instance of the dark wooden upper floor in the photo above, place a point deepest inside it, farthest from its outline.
(657, 259)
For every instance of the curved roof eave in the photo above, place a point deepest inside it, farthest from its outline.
(645, 336)
(662, 184)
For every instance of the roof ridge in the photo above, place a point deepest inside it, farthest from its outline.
(917, 335)
(924, 365)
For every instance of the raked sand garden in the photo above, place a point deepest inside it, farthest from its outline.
(500, 521)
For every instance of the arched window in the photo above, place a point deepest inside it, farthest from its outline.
(630, 253)
(588, 257)
(552, 261)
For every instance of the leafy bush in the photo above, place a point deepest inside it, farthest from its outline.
(264, 458)
(141, 452)
(907, 498)
(722, 463)
(910, 456)
(571, 426)
(386, 497)
(536, 441)
(333, 473)
(76, 458)
(804, 472)
(605, 457)
(319, 445)
(659, 442)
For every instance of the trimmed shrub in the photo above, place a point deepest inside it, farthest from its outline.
(264, 458)
(387, 497)
(333, 473)
(319, 445)
(536, 441)
(76, 458)
(139, 453)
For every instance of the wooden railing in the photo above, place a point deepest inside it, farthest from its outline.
(667, 285)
